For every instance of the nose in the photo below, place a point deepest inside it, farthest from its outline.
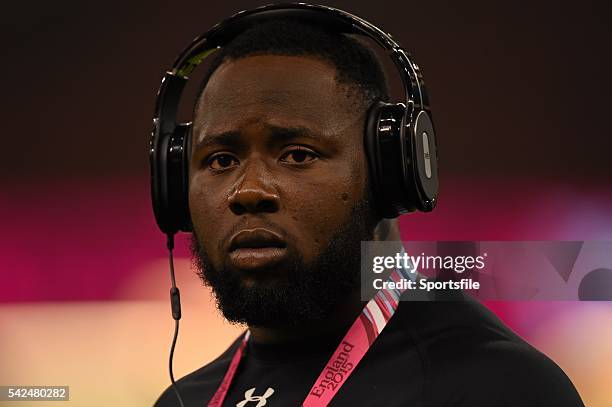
(254, 193)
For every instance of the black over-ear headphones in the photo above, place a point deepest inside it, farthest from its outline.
(399, 138)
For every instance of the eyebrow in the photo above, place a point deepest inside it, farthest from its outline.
(229, 138)
(278, 134)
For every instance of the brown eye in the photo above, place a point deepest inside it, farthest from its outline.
(299, 155)
(221, 161)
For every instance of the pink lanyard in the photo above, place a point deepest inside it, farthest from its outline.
(355, 344)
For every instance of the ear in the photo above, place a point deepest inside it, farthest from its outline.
(387, 230)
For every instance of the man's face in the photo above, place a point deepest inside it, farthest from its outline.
(277, 193)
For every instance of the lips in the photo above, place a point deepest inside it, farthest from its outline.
(259, 248)
(256, 238)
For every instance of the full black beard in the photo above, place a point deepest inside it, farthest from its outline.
(308, 293)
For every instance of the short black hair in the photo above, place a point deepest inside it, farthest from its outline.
(356, 64)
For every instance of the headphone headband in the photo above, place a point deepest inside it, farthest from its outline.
(416, 98)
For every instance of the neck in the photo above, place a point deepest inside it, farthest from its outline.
(338, 323)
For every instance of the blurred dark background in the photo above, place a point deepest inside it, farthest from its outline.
(517, 88)
(520, 96)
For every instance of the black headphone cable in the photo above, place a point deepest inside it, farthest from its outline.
(175, 303)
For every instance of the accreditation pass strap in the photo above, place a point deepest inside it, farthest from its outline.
(355, 344)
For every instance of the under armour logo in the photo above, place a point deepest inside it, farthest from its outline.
(262, 400)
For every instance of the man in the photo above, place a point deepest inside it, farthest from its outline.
(280, 200)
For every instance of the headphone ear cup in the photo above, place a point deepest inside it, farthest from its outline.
(386, 152)
(402, 160)
(169, 178)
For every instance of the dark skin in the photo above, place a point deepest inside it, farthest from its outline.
(277, 147)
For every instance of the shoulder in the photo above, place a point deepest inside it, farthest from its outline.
(470, 357)
(201, 384)
(503, 372)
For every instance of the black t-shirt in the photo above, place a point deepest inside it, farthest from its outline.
(431, 354)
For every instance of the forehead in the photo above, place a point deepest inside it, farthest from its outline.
(294, 90)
